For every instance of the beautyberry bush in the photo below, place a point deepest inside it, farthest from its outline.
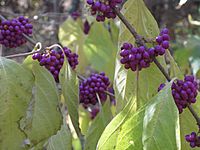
(133, 96)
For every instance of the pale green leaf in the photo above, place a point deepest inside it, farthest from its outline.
(84, 119)
(97, 49)
(97, 127)
(174, 68)
(62, 140)
(15, 94)
(153, 127)
(71, 35)
(100, 49)
(70, 90)
(43, 118)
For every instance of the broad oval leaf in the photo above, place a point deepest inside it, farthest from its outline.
(15, 94)
(70, 90)
(95, 49)
(138, 88)
(97, 127)
(62, 140)
(100, 49)
(71, 35)
(153, 127)
(43, 118)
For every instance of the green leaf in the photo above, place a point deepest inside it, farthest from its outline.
(188, 124)
(114, 31)
(153, 127)
(71, 35)
(15, 94)
(70, 89)
(128, 85)
(187, 121)
(95, 49)
(97, 127)
(100, 49)
(62, 140)
(174, 68)
(43, 118)
(84, 119)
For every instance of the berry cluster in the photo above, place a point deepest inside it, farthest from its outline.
(11, 31)
(53, 60)
(163, 43)
(135, 57)
(184, 92)
(95, 84)
(103, 8)
(194, 139)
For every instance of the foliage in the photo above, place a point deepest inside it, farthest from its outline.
(37, 112)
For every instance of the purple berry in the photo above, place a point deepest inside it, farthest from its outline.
(11, 32)
(95, 84)
(184, 92)
(53, 60)
(165, 44)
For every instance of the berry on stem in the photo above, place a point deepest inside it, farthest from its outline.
(53, 60)
(11, 31)
(193, 139)
(184, 92)
(135, 58)
(95, 84)
(103, 8)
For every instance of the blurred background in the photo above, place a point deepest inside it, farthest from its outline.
(182, 17)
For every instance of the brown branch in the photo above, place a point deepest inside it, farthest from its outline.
(162, 69)
(195, 115)
(138, 38)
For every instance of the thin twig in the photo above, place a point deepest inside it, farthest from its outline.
(110, 94)
(162, 69)
(81, 77)
(37, 48)
(129, 26)
(195, 115)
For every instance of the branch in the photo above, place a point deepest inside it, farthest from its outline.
(162, 69)
(195, 115)
(37, 48)
(129, 27)
(141, 41)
